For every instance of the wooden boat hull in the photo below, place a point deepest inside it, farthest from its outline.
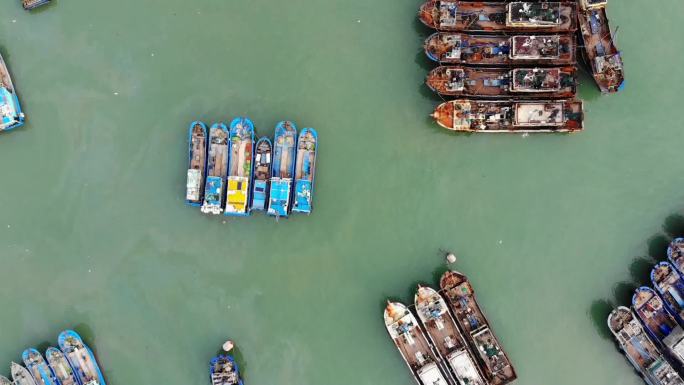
(11, 115)
(219, 376)
(521, 83)
(38, 368)
(501, 50)
(240, 167)
(602, 57)
(280, 194)
(262, 173)
(307, 148)
(499, 17)
(197, 163)
(60, 367)
(21, 375)
(81, 358)
(217, 170)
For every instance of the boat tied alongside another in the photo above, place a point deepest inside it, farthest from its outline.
(60, 366)
(446, 337)
(262, 173)
(240, 167)
(21, 375)
(602, 56)
(11, 115)
(197, 163)
(223, 370)
(460, 296)
(669, 284)
(658, 322)
(217, 168)
(499, 116)
(499, 50)
(500, 17)
(413, 345)
(305, 170)
(675, 254)
(463, 81)
(640, 350)
(284, 145)
(81, 358)
(38, 368)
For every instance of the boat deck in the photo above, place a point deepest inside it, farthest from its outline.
(602, 55)
(31, 4)
(675, 253)
(652, 313)
(217, 163)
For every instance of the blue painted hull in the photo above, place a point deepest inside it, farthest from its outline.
(38, 368)
(60, 367)
(71, 345)
(280, 194)
(306, 171)
(217, 361)
(198, 202)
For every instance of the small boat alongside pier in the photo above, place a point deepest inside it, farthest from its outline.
(217, 169)
(240, 167)
(262, 173)
(462, 81)
(39, 369)
(659, 324)
(197, 163)
(508, 116)
(60, 366)
(446, 337)
(413, 345)
(305, 169)
(500, 50)
(223, 370)
(81, 358)
(669, 284)
(460, 296)
(21, 375)
(11, 115)
(639, 350)
(283, 169)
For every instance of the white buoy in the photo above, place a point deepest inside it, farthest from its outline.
(228, 346)
(450, 257)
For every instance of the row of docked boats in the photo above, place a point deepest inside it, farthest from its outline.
(453, 343)
(73, 363)
(231, 174)
(651, 333)
(11, 115)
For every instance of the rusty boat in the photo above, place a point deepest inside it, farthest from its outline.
(499, 17)
(498, 50)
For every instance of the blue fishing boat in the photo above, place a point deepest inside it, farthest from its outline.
(10, 109)
(60, 366)
(670, 285)
(217, 167)
(283, 169)
(21, 375)
(197, 163)
(262, 173)
(81, 358)
(223, 370)
(38, 368)
(659, 324)
(240, 167)
(307, 146)
(675, 254)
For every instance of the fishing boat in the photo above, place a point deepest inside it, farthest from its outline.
(11, 115)
(283, 169)
(670, 285)
(5, 381)
(446, 337)
(21, 375)
(197, 163)
(217, 169)
(307, 146)
(262, 173)
(31, 4)
(461, 298)
(675, 254)
(500, 116)
(413, 345)
(462, 81)
(646, 358)
(223, 370)
(81, 358)
(516, 16)
(659, 324)
(60, 366)
(600, 51)
(39, 369)
(500, 50)
(240, 167)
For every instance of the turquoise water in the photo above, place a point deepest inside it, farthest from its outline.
(94, 233)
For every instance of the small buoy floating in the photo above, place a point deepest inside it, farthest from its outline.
(450, 257)
(228, 346)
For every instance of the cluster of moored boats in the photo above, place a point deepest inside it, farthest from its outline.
(228, 173)
(510, 66)
(73, 363)
(11, 115)
(453, 343)
(651, 333)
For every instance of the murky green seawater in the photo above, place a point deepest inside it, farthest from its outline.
(94, 233)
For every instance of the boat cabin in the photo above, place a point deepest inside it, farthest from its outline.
(539, 114)
(431, 375)
(535, 47)
(532, 15)
(448, 13)
(536, 79)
